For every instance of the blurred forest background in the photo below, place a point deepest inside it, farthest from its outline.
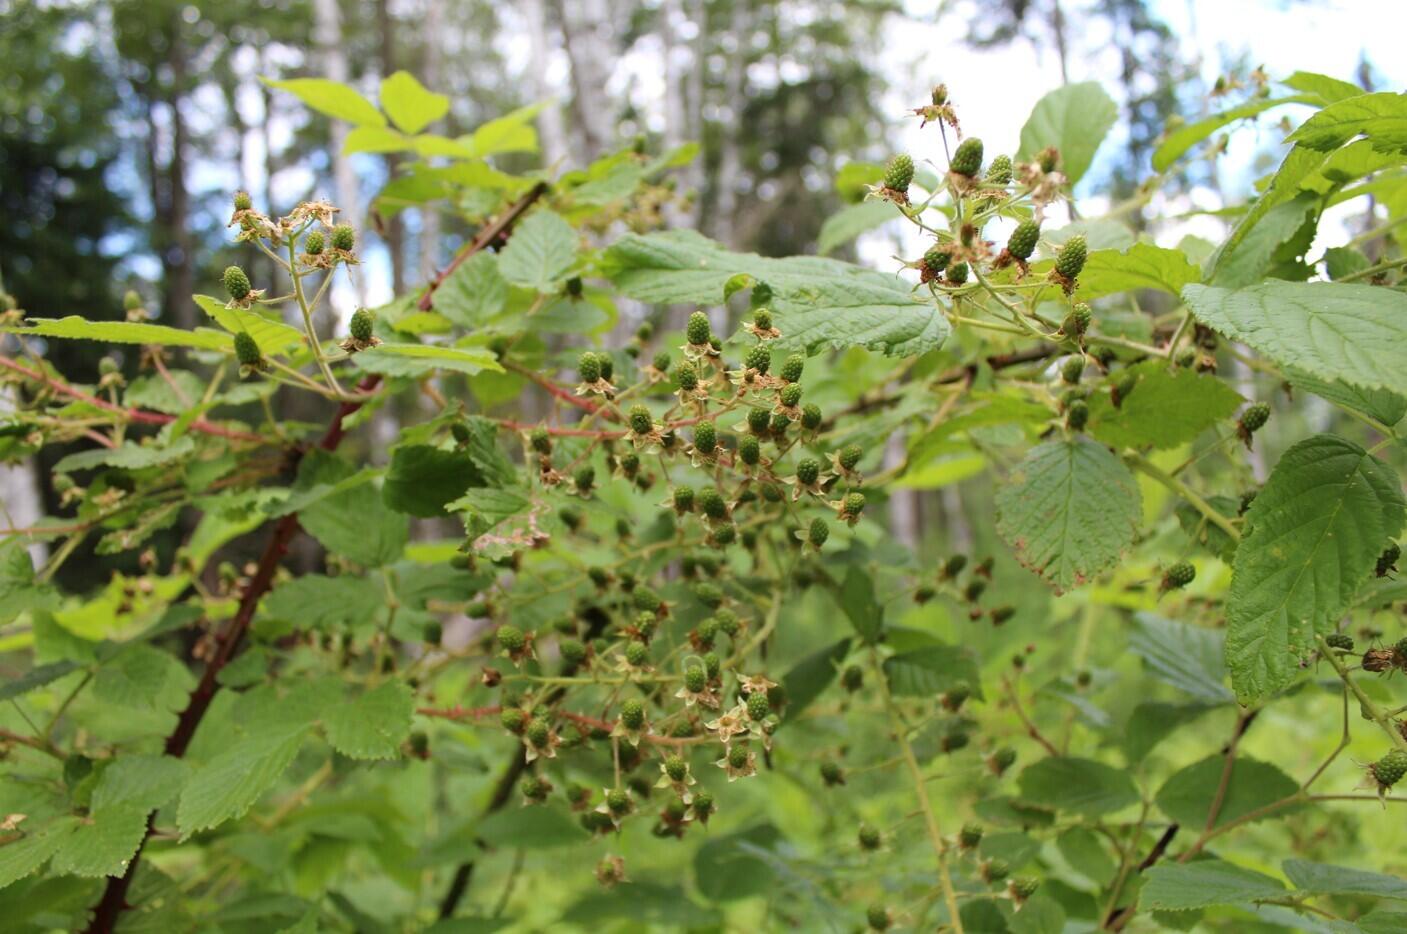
(126, 124)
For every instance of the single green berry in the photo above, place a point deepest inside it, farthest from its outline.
(762, 319)
(832, 774)
(131, 300)
(632, 714)
(712, 665)
(1387, 561)
(1179, 575)
(571, 517)
(936, 260)
(758, 358)
(1022, 242)
(361, 325)
(790, 395)
(757, 707)
(247, 350)
(695, 679)
(819, 531)
(514, 720)
(970, 836)
(618, 801)
(853, 504)
(749, 450)
(1390, 768)
(511, 638)
(1072, 368)
(585, 478)
(999, 172)
(728, 621)
(573, 652)
(852, 678)
(676, 768)
(641, 422)
(725, 535)
(1339, 640)
(900, 173)
(661, 361)
(608, 366)
(877, 916)
(645, 600)
(1254, 417)
(686, 377)
(793, 367)
(434, 632)
(1002, 759)
(698, 329)
(1071, 258)
(629, 463)
(967, 158)
(1077, 415)
(995, 870)
(344, 238)
(534, 788)
(957, 273)
(1077, 322)
(683, 499)
(703, 805)
(538, 732)
(237, 283)
(869, 837)
(1023, 887)
(242, 201)
(811, 417)
(711, 503)
(636, 654)
(705, 438)
(588, 367)
(314, 243)
(758, 421)
(780, 423)
(706, 633)
(540, 440)
(850, 456)
(808, 471)
(738, 756)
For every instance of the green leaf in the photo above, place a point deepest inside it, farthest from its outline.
(1271, 247)
(1152, 721)
(409, 105)
(809, 677)
(1068, 511)
(141, 780)
(270, 333)
(1141, 266)
(485, 508)
(422, 479)
(1201, 884)
(155, 392)
(540, 253)
(228, 785)
(1327, 89)
(373, 725)
(19, 858)
(851, 221)
(335, 507)
(727, 869)
(375, 139)
(1381, 117)
(1177, 142)
(933, 669)
(1081, 786)
(1187, 796)
(129, 455)
(1299, 164)
(319, 603)
(332, 99)
(512, 132)
(1384, 405)
(144, 677)
(21, 592)
(103, 842)
(121, 332)
(857, 600)
(1074, 119)
(1206, 533)
(35, 678)
(1332, 330)
(819, 302)
(1324, 879)
(1185, 656)
(1340, 261)
(1313, 535)
(1170, 406)
(641, 906)
(474, 293)
(416, 360)
(536, 828)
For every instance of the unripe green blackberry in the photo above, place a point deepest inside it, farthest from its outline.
(790, 395)
(852, 678)
(1387, 561)
(646, 621)
(1002, 759)
(738, 756)
(758, 358)
(247, 350)
(850, 456)
(1048, 159)
(608, 366)
(724, 535)
(1077, 322)
(540, 440)
(957, 273)
(749, 450)
(344, 238)
(361, 325)
(953, 698)
(1023, 887)
(1339, 640)
(869, 837)
(711, 503)
(511, 638)
(585, 478)
(877, 917)
(819, 531)
(999, 172)
(762, 319)
(705, 438)
(686, 377)
(780, 423)
(1072, 369)
(538, 732)
(758, 421)
(632, 713)
(661, 361)
(695, 679)
(1388, 770)
(683, 499)
(728, 621)
(514, 720)
(1071, 258)
(645, 331)
(1254, 417)
(535, 789)
(808, 470)
(853, 504)
(900, 173)
(793, 367)
(811, 417)
(712, 665)
(641, 422)
(757, 708)
(1179, 575)
(636, 654)
(832, 774)
(706, 633)
(936, 259)
(573, 652)
(618, 801)
(314, 243)
(676, 768)
(698, 329)
(242, 201)
(434, 632)
(772, 493)
(1022, 242)
(588, 367)
(645, 599)
(1077, 415)
(995, 870)
(237, 283)
(967, 158)
(131, 300)
(970, 836)
(629, 463)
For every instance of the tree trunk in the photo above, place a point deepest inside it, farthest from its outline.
(586, 31)
(430, 216)
(393, 230)
(730, 164)
(327, 32)
(549, 122)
